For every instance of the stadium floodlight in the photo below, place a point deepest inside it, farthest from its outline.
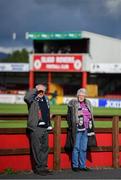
(27, 35)
(14, 35)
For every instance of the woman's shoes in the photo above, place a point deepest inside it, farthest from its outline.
(84, 169)
(75, 169)
(80, 169)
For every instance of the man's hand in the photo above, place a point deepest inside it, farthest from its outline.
(49, 128)
(51, 115)
(40, 87)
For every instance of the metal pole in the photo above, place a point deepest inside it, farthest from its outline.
(49, 81)
(84, 79)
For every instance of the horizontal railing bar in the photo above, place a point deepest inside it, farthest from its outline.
(26, 151)
(13, 116)
(13, 130)
(63, 130)
(17, 151)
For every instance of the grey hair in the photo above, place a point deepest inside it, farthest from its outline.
(82, 91)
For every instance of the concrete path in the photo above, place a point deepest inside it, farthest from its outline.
(69, 174)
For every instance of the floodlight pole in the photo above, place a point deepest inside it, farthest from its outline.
(31, 80)
(49, 81)
(31, 72)
(14, 36)
(84, 79)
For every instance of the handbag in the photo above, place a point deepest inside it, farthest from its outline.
(92, 142)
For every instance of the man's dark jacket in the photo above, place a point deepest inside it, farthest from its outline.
(33, 108)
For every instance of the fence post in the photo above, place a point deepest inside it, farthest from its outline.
(115, 141)
(57, 143)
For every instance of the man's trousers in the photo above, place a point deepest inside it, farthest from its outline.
(39, 147)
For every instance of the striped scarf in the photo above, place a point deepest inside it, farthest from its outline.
(84, 116)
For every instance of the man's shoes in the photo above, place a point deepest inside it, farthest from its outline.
(75, 169)
(84, 169)
(48, 171)
(44, 172)
(49, 128)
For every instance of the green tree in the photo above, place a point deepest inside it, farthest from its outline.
(17, 56)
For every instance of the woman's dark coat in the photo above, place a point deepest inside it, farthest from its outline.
(72, 119)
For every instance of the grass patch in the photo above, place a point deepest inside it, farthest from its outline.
(13, 108)
(13, 124)
(107, 111)
(9, 171)
(55, 109)
(23, 124)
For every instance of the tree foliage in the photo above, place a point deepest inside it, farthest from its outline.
(17, 56)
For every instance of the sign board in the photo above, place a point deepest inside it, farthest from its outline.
(12, 99)
(110, 103)
(105, 68)
(57, 62)
(98, 102)
(54, 35)
(14, 67)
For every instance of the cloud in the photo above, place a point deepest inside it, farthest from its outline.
(63, 3)
(23, 16)
(33, 15)
(113, 7)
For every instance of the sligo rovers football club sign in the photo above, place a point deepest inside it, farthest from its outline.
(57, 63)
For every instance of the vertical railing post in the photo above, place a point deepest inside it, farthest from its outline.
(57, 143)
(115, 141)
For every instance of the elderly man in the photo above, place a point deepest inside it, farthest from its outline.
(38, 123)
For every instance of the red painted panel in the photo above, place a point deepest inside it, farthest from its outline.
(102, 139)
(14, 141)
(22, 141)
(15, 162)
(51, 140)
(50, 161)
(98, 159)
(120, 139)
(65, 161)
(120, 158)
(63, 140)
(21, 162)
(18, 141)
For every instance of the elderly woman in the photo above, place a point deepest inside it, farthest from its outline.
(80, 121)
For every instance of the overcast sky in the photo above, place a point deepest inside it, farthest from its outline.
(20, 16)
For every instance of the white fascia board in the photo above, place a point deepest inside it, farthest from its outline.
(30, 62)
(105, 68)
(87, 61)
(103, 49)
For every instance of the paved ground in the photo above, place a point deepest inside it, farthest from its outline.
(69, 174)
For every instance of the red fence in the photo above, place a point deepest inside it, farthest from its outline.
(15, 151)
